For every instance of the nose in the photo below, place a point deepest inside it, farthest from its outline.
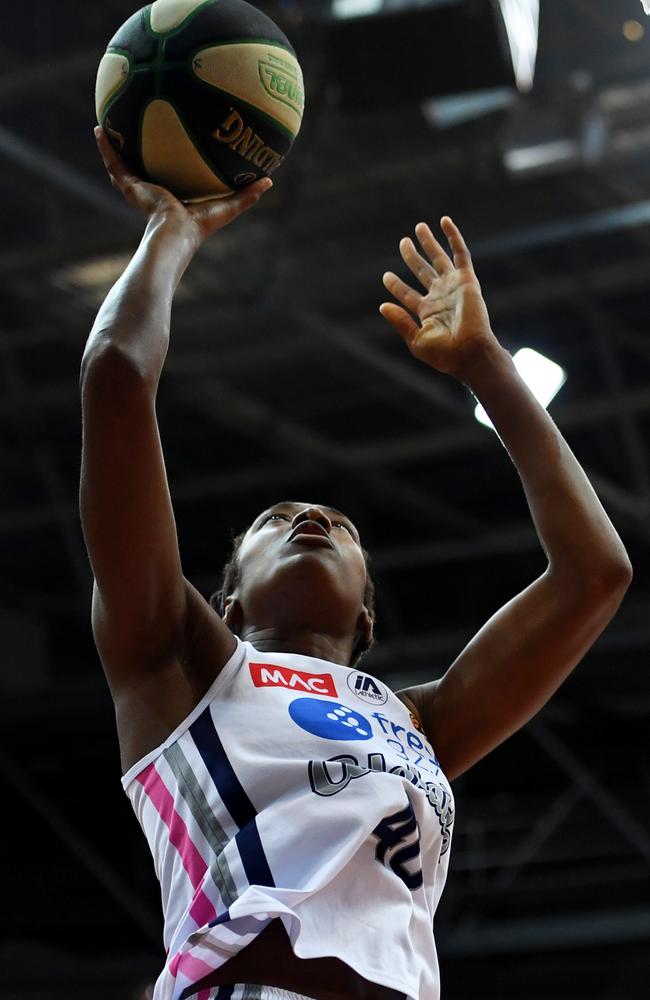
(312, 514)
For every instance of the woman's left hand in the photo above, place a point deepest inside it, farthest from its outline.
(453, 318)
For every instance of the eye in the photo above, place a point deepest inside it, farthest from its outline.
(284, 517)
(341, 524)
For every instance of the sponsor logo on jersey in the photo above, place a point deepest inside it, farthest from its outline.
(367, 688)
(329, 777)
(272, 675)
(330, 719)
(407, 745)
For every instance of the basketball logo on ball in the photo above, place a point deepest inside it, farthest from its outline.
(201, 96)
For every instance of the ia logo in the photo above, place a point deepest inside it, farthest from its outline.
(367, 688)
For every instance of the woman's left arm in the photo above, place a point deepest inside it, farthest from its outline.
(518, 659)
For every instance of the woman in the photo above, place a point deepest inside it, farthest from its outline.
(297, 813)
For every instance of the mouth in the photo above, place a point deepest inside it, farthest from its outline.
(311, 533)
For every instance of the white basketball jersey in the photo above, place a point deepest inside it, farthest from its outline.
(300, 789)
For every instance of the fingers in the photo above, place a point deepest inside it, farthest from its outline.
(250, 195)
(211, 215)
(432, 248)
(220, 211)
(403, 292)
(131, 186)
(462, 256)
(420, 267)
(400, 320)
(112, 160)
(437, 255)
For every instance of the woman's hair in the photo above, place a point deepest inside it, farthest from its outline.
(230, 579)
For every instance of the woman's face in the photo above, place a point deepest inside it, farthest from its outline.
(301, 566)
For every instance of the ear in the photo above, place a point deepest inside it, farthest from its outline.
(365, 625)
(232, 613)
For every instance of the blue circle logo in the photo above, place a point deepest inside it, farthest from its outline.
(329, 719)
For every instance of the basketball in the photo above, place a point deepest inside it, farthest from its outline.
(200, 96)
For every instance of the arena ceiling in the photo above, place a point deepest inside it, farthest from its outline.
(283, 381)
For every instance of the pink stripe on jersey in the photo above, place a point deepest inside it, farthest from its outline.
(190, 966)
(201, 910)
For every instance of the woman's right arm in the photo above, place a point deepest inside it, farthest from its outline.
(142, 605)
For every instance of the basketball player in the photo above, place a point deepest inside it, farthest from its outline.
(298, 812)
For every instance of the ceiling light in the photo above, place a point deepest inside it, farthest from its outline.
(447, 111)
(521, 18)
(99, 273)
(355, 8)
(633, 31)
(90, 281)
(542, 376)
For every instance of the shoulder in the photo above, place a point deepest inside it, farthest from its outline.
(148, 711)
(208, 642)
(418, 700)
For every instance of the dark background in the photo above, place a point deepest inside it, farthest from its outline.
(283, 381)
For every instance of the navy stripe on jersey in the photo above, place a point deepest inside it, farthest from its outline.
(252, 855)
(223, 918)
(234, 798)
(227, 783)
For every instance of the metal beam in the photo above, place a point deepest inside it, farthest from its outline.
(607, 352)
(426, 385)
(148, 922)
(603, 798)
(608, 220)
(528, 848)
(65, 177)
(571, 416)
(600, 927)
(67, 518)
(437, 649)
(63, 510)
(622, 500)
(249, 416)
(414, 448)
(636, 507)
(30, 77)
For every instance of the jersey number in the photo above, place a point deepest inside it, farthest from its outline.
(390, 833)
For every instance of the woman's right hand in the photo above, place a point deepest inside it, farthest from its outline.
(204, 218)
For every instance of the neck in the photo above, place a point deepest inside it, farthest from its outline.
(306, 642)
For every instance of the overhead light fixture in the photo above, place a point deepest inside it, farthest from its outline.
(543, 154)
(382, 52)
(633, 31)
(542, 376)
(96, 274)
(355, 8)
(445, 112)
(521, 18)
(545, 136)
(90, 281)
(366, 8)
(521, 21)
